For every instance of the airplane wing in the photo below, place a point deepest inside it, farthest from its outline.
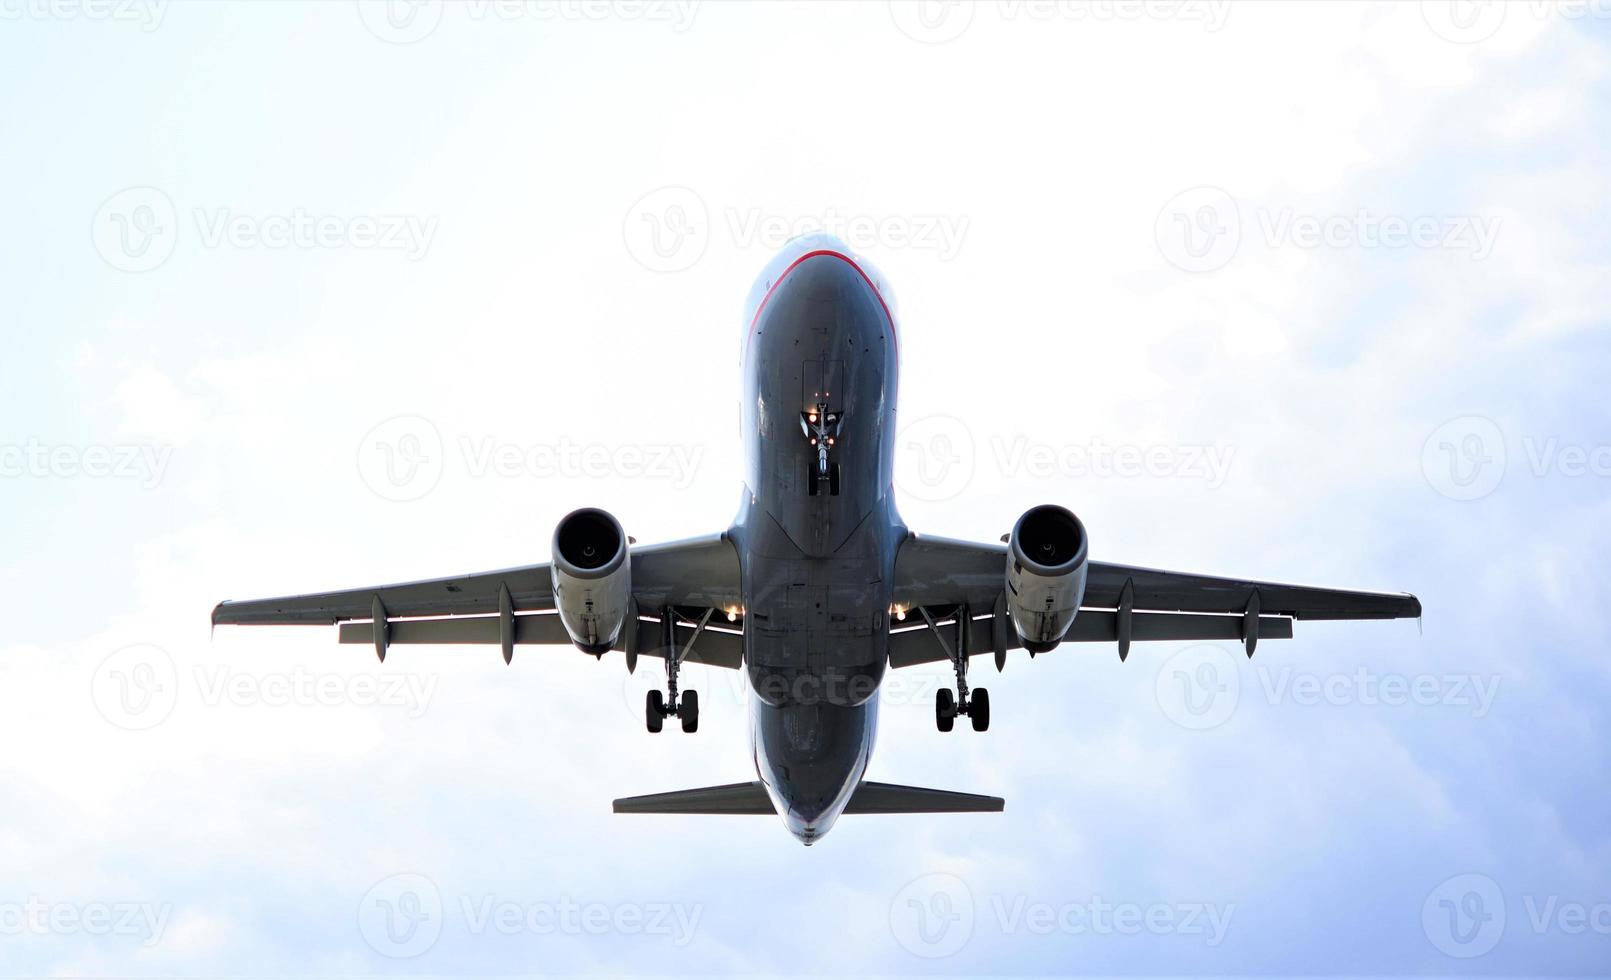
(689, 577)
(939, 577)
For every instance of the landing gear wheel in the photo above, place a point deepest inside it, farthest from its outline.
(945, 710)
(654, 711)
(689, 712)
(979, 709)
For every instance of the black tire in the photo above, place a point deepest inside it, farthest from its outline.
(690, 711)
(979, 710)
(945, 710)
(654, 711)
(833, 480)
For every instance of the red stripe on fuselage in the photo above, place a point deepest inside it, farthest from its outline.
(811, 255)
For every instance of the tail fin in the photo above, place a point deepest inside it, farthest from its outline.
(751, 798)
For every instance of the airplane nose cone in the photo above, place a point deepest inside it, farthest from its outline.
(808, 832)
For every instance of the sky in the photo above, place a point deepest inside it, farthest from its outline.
(303, 296)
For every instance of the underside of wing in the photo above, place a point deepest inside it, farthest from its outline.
(940, 583)
(678, 587)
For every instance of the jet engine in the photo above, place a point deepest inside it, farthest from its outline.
(1046, 570)
(592, 579)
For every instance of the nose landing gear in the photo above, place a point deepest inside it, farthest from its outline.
(822, 428)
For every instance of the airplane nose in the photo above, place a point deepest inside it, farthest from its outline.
(823, 287)
(809, 831)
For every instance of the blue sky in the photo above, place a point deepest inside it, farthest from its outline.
(315, 295)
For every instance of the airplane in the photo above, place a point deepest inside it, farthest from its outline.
(818, 588)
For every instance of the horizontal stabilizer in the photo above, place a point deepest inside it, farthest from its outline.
(890, 798)
(751, 798)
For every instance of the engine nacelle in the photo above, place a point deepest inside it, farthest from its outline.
(592, 579)
(1046, 570)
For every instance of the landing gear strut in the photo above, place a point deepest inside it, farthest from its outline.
(946, 704)
(822, 427)
(657, 706)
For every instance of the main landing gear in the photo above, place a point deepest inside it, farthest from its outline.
(976, 705)
(658, 707)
